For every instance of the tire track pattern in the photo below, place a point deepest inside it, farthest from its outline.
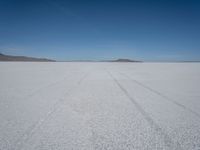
(167, 139)
(30, 131)
(44, 87)
(162, 95)
(39, 90)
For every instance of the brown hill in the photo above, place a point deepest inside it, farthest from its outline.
(125, 60)
(23, 58)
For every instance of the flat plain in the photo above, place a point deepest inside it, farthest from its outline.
(99, 106)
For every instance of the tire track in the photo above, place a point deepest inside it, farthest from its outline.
(30, 131)
(38, 91)
(162, 95)
(172, 145)
(83, 78)
(44, 87)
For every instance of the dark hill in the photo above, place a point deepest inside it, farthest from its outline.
(125, 60)
(22, 58)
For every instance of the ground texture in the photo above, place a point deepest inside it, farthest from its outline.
(99, 106)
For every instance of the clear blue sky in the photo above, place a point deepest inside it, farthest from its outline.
(101, 29)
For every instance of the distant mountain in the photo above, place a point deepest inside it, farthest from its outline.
(22, 58)
(124, 60)
(117, 60)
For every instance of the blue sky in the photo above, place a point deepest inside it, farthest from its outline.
(156, 30)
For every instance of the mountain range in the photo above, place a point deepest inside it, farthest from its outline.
(4, 57)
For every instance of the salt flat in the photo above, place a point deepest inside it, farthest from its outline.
(115, 106)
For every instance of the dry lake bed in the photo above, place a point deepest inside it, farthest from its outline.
(99, 106)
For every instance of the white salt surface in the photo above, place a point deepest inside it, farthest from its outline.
(95, 106)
